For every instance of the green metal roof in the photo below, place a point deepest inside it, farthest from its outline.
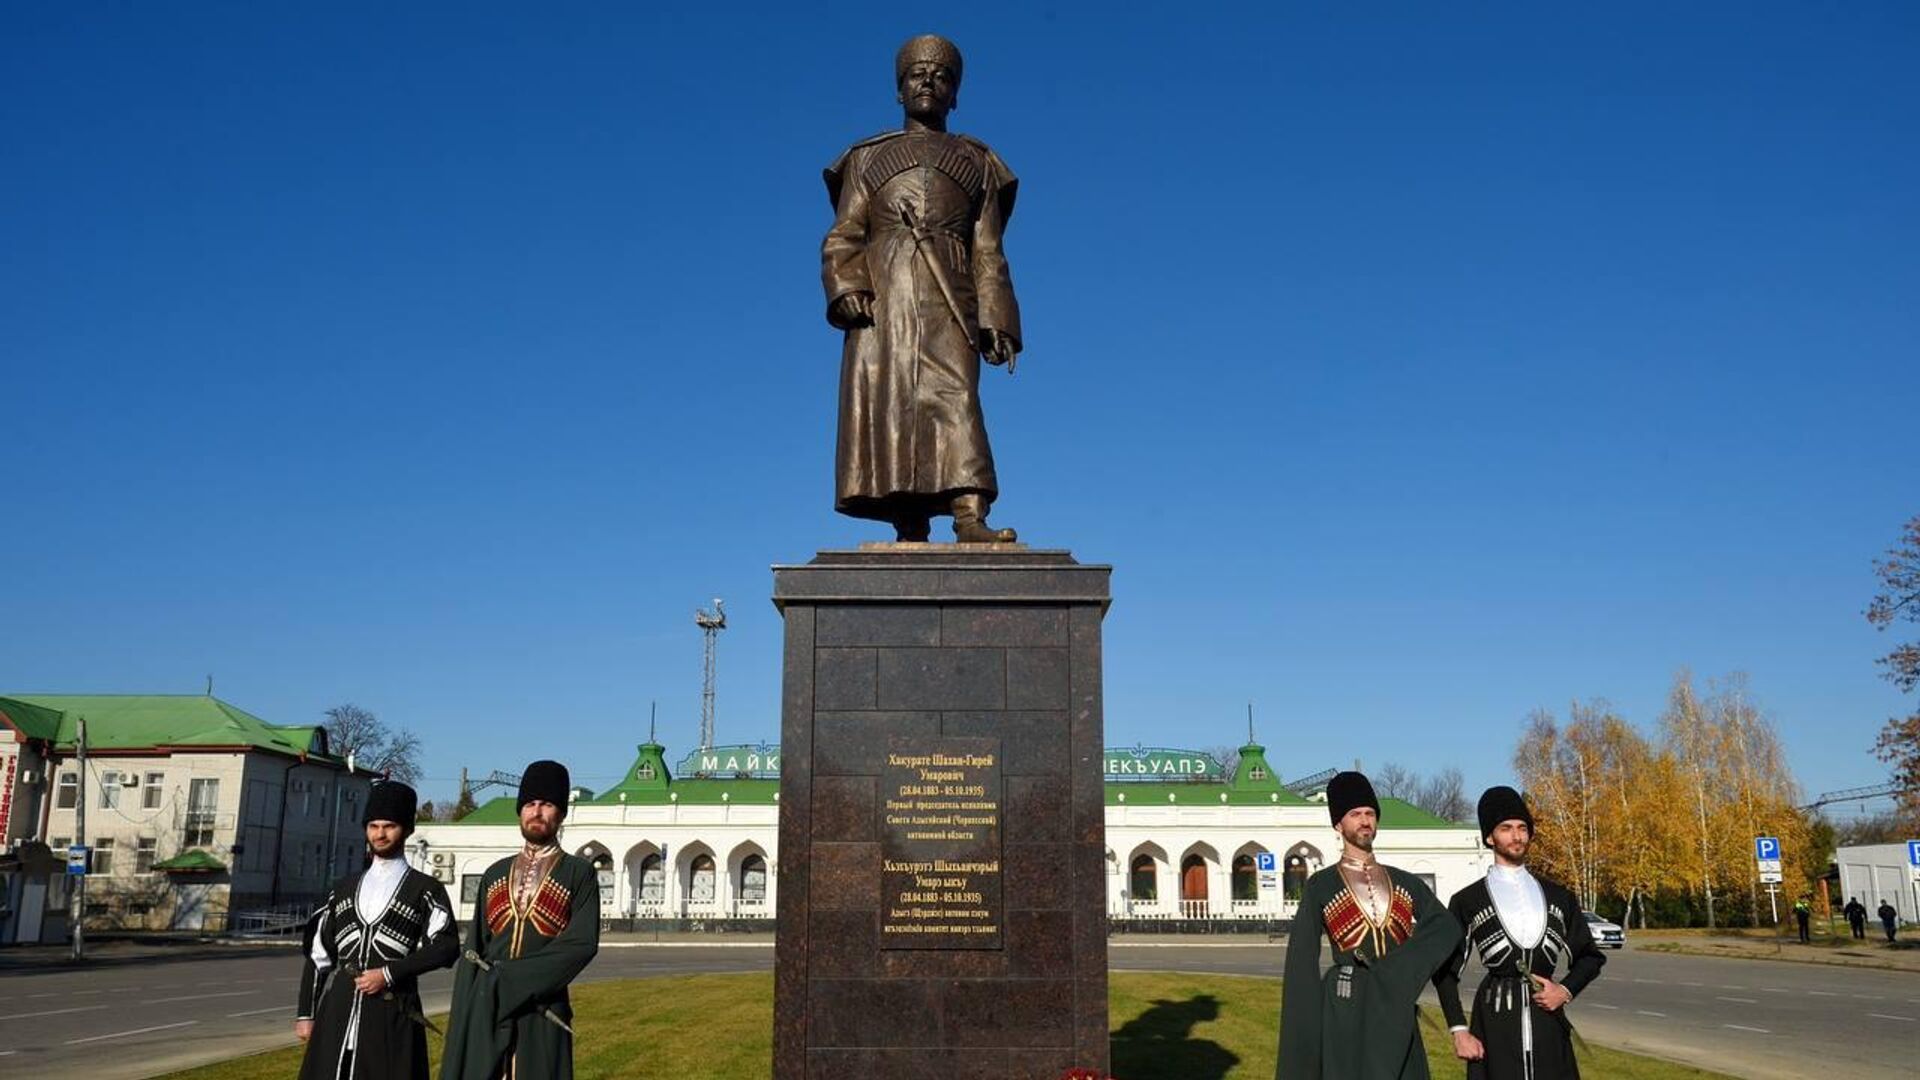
(162, 721)
(194, 861)
(33, 721)
(1400, 814)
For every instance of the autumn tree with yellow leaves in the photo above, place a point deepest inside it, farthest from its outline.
(1665, 822)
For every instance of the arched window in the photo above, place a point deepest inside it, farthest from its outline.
(1193, 878)
(1145, 879)
(653, 880)
(700, 881)
(1301, 861)
(753, 878)
(1246, 878)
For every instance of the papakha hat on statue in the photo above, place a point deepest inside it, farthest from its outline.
(391, 800)
(1502, 803)
(927, 47)
(546, 781)
(1348, 791)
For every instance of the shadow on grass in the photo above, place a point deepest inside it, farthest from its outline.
(1159, 1044)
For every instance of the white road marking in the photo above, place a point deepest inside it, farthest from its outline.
(1661, 981)
(1884, 1016)
(1743, 1027)
(1823, 993)
(1692, 984)
(197, 997)
(135, 1031)
(257, 1012)
(1869, 997)
(48, 994)
(1597, 1005)
(1776, 990)
(1650, 1012)
(81, 993)
(53, 1012)
(1743, 1001)
(1724, 987)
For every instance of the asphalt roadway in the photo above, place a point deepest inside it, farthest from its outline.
(1751, 1018)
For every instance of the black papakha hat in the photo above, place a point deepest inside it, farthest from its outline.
(546, 781)
(391, 800)
(1498, 804)
(1348, 791)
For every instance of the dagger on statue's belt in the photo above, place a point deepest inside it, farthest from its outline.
(409, 1008)
(545, 1010)
(921, 234)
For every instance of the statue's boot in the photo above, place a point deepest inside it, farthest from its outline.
(913, 530)
(970, 522)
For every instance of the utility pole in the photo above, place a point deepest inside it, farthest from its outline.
(80, 837)
(710, 623)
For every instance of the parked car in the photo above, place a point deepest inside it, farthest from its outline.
(1607, 935)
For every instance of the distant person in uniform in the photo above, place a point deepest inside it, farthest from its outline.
(1803, 915)
(1888, 917)
(1856, 916)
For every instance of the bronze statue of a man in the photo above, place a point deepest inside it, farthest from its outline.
(915, 276)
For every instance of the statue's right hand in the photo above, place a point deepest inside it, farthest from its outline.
(855, 309)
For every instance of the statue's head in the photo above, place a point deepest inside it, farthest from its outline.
(926, 71)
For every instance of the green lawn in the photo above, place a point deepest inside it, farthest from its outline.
(1165, 1027)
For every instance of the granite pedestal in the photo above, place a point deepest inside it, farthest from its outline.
(942, 872)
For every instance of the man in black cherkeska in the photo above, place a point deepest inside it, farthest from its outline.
(1521, 926)
(372, 937)
(536, 925)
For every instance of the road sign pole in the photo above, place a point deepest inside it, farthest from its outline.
(1773, 902)
(79, 901)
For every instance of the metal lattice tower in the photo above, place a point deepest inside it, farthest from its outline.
(710, 623)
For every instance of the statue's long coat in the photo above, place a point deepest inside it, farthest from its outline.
(911, 432)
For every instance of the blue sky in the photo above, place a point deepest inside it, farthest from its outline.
(1414, 368)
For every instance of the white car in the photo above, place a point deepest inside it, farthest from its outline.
(1607, 935)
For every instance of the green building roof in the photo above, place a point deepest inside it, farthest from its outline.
(194, 861)
(157, 722)
(1400, 814)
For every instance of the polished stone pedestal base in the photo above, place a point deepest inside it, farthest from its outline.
(894, 647)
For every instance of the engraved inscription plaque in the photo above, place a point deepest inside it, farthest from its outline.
(940, 846)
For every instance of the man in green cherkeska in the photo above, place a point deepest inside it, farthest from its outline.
(1389, 935)
(536, 925)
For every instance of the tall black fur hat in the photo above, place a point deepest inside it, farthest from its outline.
(1498, 804)
(547, 781)
(1349, 790)
(391, 800)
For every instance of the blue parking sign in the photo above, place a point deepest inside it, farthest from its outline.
(1264, 860)
(1913, 853)
(1766, 848)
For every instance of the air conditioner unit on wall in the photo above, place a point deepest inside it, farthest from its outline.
(29, 776)
(130, 780)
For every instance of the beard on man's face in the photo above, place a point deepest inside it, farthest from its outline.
(537, 831)
(390, 848)
(1360, 836)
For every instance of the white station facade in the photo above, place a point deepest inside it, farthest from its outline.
(1186, 838)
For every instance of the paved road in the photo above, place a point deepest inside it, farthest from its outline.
(1752, 1018)
(1762, 1019)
